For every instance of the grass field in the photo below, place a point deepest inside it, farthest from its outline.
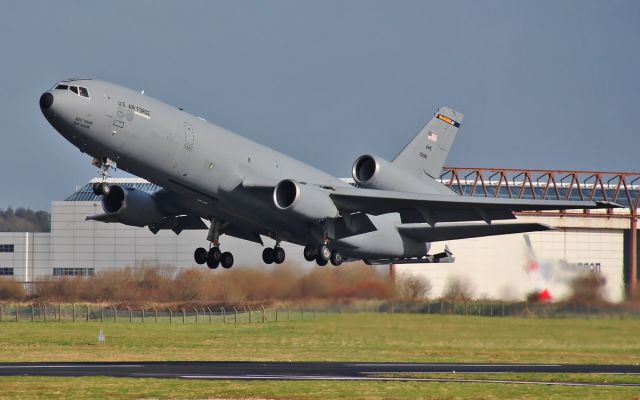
(348, 337)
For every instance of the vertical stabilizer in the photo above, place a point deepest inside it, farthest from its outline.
(427, 152)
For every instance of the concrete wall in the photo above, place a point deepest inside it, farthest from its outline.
(89, 244)
(31, 255)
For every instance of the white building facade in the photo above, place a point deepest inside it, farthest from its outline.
(494, 267)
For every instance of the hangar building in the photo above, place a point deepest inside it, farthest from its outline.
(502, 267)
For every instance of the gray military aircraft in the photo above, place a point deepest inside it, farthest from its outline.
(392, 212)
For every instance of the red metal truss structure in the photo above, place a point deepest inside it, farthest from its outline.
(618, 187)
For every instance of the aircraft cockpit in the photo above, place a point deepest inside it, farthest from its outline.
(79, 90)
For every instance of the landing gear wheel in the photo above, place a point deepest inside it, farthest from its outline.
(323, 253)
(310, 252)
(213, 264)
(200, 255)
(226, 260)
(213, 257)
(101, 188)
(214, 254)
(106, 188)
(278, 255)
(336, 257)
(268, 255)
(321, 261)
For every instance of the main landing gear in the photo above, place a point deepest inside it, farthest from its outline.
(322, 255)
(273, 254)
(214, 256)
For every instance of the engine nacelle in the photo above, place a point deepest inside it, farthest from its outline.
(374, 172)
(131, 207)
(305, 201)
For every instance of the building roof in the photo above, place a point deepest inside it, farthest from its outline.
(466, 187)
(85, 193)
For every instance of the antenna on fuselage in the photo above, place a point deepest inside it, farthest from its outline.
(142, 91)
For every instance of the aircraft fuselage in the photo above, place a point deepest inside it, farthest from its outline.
(204, 163)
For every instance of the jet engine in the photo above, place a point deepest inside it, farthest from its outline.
(131, 207)
(374, 172)
(305, 201)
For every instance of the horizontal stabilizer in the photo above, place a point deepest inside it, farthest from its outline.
(441, 232)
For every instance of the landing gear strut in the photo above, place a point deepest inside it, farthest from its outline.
(214, 256)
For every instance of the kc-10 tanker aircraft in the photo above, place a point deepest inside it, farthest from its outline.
(244, 189)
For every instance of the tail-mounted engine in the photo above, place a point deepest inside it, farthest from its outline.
(374, 172)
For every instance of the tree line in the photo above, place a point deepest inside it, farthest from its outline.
(24, 220)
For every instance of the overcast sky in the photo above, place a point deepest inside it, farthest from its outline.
(542, 84)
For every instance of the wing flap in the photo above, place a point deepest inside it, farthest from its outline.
(426, 233)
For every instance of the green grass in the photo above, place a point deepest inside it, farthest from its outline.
(125, 388)
(347, 337)
(598, 378)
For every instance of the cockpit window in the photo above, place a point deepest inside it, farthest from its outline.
(63, 87)
(84, 92)
(74, 89)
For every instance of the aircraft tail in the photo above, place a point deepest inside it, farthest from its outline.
(428, 150)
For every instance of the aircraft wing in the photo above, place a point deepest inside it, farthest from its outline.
(433, 208)
(452, 231)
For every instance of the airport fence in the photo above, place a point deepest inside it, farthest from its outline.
(63, 312)
(180, 315)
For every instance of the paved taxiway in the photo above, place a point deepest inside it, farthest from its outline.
(299, 370)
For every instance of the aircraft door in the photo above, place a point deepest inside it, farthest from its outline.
(115, 117)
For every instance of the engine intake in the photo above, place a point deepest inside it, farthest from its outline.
(131, 207)
(305, 201)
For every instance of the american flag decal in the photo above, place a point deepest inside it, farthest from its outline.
(432, 136)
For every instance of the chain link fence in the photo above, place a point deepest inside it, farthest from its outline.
(63, 312)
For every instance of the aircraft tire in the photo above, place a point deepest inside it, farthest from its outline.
(323, 252)
(336, 257)
(97, 188)
(278, 255)
(321, 261)
(200, 255)
(226, 260)
(214, 254)
(105, 189)
(213, 264)
(268, 255)
(310, 252)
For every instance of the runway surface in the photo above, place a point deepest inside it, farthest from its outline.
(302, 370)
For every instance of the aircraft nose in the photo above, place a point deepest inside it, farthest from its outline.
(46, 100)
